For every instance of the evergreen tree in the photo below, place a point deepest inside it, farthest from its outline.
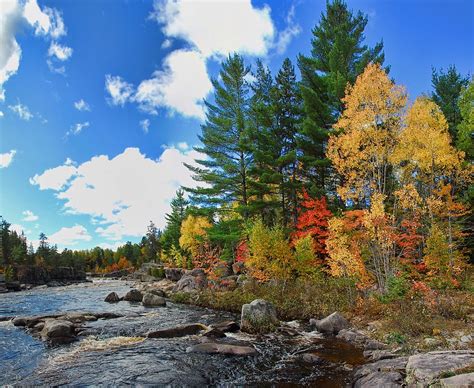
(171, 234)
(152, 248)
(338, 56)
(447, 88)
(6, 249)
(226, 142)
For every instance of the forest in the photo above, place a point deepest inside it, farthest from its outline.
(325, 172)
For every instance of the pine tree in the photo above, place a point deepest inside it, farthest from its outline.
(226, 142)
(171, 234)
(338, 56)
(447, 88)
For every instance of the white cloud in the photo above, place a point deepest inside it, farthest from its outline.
(166, 43)
(70, 236)
(22, 111)
(119, 90)
(292, 29)
(183, 146)
(77, 128)
(1, 114)
(46, 22)
(59, 51)
(19, 229)
(96, 188)
(7, 158)
(82, 106)
(145, 124)
(55, 69)
(55, 178)
(29, 216)
(217, 27)
(176, 87)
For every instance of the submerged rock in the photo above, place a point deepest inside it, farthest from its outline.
(179, 331)
(258, 316)
(332, 324)
(152, 300)
(112, 298)
(217, 348)
(133, 296)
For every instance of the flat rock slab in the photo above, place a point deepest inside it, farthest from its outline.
(217, 348)
(426, 368)
(465, 380)
(179, 331)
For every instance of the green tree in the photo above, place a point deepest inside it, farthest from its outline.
(226, 142)
(171, 233)
(447, 87)
(465, 128)
(337, 57)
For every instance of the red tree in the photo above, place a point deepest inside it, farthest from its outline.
(313, 220)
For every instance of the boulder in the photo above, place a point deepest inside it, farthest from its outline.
(152, 300)
(380, 379)
(424, 369)
(465, 380)
(112, 298)
(214, 333)
(58, 331)
(179, 331)
(332, 324)
(258, 316)
(383, 373)
(217, 348)
(174, 274)
(360, 340)
(133, 296)
(157, 292)
(192, 281)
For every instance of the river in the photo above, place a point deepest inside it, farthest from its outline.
(114, 353)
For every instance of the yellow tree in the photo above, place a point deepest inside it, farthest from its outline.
(193, 233)
(366, 134)
(424, 151)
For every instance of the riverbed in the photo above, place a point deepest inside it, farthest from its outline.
(114, 351)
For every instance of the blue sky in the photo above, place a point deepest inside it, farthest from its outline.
(100, 101)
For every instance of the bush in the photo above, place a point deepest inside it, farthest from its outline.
(157, 272)
(397, 288)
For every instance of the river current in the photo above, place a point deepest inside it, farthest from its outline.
(114, 352)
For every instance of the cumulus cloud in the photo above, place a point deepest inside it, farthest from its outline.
(77, 128)
(286, 36)
(59, 51)
(212, 30)
(119, 90)
(22, 111)
(145, 124)
(1, 113)
(29, 216)
(46, 22)
(97, 188)
(7, 158)
(176, 87)
(70, 236)
(82, 106)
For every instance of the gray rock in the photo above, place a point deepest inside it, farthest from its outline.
(311, 358)
(192, 281)
(157, 292)
(423, 369)
(214, 333)
(112, 298)
(174, 274)
(58, 331)
(152, 300)
(360, 340)
(133, 296)
(465, 380)
(179, 331)
(383, 373)
(332, 324)
(258, 316)
(226, 326)
(380, 379)
(217, 348)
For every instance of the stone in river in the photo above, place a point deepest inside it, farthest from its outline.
(152, 300)
(179, 331)
(217, 348)
(112, 298)
(133, 296)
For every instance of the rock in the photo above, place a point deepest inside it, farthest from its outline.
(174, 274)
(258, 316)
(376, 355)
(332, 324)
(19, 321)
(107, 315)
(383, 373)
(360, 340)
(424, 369)
(179, 331)
(58, 331)
(112, 298)
(380, 379)
(133, 296)
(217, 348)
(152, 300)
(432, 342)
(465, 380)
(214, 333)
(157, 292)
(238, 268)
(226, 326)
(192, 281)
(13, 286)
(311, 358)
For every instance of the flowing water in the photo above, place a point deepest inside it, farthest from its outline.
(114, 351)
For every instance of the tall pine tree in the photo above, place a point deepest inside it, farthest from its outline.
(171, 234)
